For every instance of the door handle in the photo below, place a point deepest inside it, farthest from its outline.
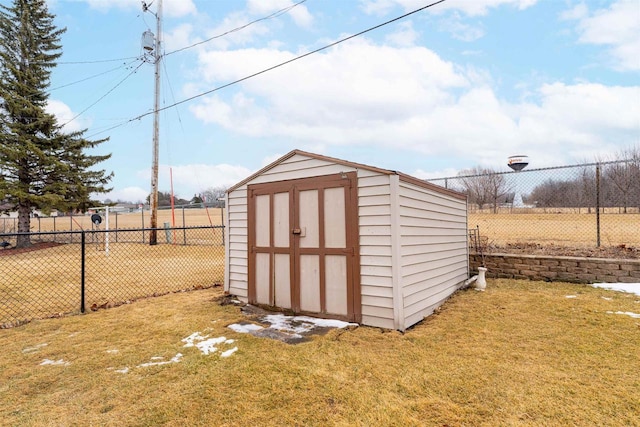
(297, 231)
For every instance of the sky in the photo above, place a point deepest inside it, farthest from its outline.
(463, 83)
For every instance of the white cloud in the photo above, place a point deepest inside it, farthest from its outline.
(405, 36)
(179, 37)
(127, 194)
(410, 99)
(64, 114)
(172, 8)
(617, 27)
(300, 14)
(458, 29)
(468, 7)
(194, 178)
(426, 175)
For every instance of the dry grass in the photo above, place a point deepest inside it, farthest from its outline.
(46, 282)
(520, 353)
(183, 218)
(564, 229)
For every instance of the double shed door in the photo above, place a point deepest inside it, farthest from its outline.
(303, 246)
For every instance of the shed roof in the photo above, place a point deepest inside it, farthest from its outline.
(403, 176)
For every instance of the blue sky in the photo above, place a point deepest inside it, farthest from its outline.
(461, 84)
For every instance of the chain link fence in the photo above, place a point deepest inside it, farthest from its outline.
(594, 205)
(74, 271)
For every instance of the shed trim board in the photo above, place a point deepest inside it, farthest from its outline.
(408, 237)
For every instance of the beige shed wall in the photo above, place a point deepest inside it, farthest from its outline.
(376, 265)
(433, 249)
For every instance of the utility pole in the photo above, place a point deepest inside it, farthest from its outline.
(153, 197)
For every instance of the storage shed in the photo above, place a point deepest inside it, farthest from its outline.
(315, 235)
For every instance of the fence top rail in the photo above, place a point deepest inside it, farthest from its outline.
(613, 162)
(113, 230)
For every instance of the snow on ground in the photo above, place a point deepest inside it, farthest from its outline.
(295, 325)
(205, 344)
(633, 288)
(228, 352)
(34, 349)
(244, 328)
(626, 313)
(158, 361)
(60, 362)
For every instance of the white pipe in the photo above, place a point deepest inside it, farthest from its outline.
(470, 280)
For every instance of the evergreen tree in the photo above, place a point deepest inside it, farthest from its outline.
(41, 167)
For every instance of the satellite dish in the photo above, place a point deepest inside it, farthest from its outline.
(96, 219)
(518, 162)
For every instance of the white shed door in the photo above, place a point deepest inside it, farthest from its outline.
(303, 252)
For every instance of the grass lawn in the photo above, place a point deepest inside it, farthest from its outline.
(520, 353)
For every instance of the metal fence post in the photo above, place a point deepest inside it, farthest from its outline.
(184, 231)
(142, 212)
(82, 271)
(223, 227)
(598, 205)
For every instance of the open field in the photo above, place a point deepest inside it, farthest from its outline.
(564, 229)
(183, 218)
(520, 353)
(47, 282)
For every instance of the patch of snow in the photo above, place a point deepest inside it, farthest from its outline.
(60, 362)
(607, 298)
(235, 301)
(114, 351)
(229, 341)
(124, 370)
(34, 348)
(174, 359)
(626, 313)
(228, 352)
(301, 324)
(571, 296)
(244, 329)
(209, 346)
(633, 288)
(191, 339)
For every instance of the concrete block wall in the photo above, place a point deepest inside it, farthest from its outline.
(559, 269)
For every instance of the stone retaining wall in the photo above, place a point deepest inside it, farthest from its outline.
(560, 269)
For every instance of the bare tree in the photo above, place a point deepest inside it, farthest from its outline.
(214, 196)
(484, 185)
(624, 176)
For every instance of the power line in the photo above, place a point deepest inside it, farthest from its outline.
(97, 61)
(105, 95)
(93, 76)
(273, 15)
(275, 66)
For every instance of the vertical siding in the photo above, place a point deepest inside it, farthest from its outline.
(376, 272)
(237, 273)
(433, 240)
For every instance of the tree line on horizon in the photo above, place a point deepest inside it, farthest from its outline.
(618, 185)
